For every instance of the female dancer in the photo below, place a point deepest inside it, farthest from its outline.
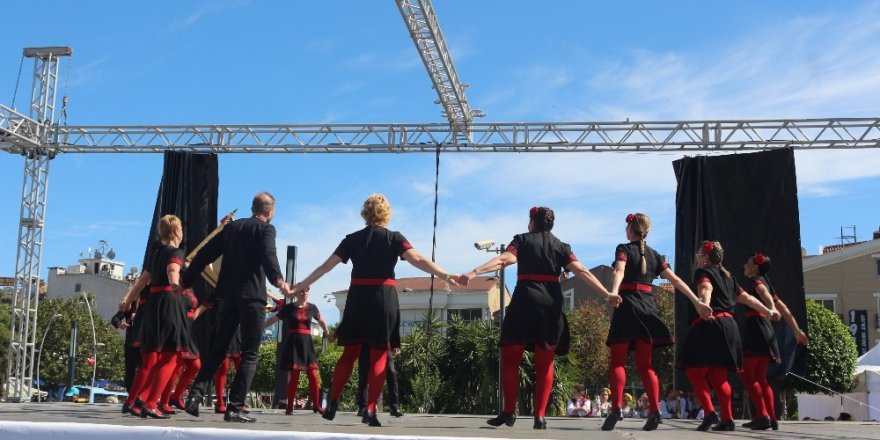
(372, 314)
(636, 324)
(188, 363)
(534, 318)
(298, 354)
(713, 345)
(163, 331)
(759, 343)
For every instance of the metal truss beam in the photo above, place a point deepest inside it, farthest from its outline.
(644, 136)
(424, 29)
(32, 133)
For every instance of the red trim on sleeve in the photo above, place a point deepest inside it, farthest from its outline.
(664, 266)
(572, 257)
(776, 299)
(175, 260)
(511, 248)
(406, 246)
(758, 282)
(621, 256)
(704, 280)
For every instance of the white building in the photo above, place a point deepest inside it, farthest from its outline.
(479, 300)
(98, 275)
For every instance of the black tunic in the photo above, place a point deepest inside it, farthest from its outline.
(715, 342)
(298, 352)
(164, 327)
(191, 304)
(758, 337)
(637, 317)
(372, 312)
(534, 316)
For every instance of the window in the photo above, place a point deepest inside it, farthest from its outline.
(568, 299)
(877, 316)
(828, 300)
(877, 263)
(466, 314)
(78, 287)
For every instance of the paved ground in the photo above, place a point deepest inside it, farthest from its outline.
(418, 425)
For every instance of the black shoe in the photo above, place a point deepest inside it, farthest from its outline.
(540, 423)
(125, 408)
(709, 420)
(167, 410)
(240, 417)
(179, 404)
(138, 407)
(774, 425)
(395, 411)
(192, 405)
(653, 422)
(361, 410)
(330, 411)
(748, 424)
(155, 414)
(611, 419)
(725, 426)
(317, 410)
(505, 418)
(369, 418)
(761, 424)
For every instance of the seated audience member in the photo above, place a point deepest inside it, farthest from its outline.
(579, 404)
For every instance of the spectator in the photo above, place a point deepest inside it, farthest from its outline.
(579, 404)
(602, 405)
(642, 406)
(627, 410)
(669, 406)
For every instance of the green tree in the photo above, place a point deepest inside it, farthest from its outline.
(589, 355)
(417, 364)
(267, 368)
(5, 313)
(831, 355)
(54, 359)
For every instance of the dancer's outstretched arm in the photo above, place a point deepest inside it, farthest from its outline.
(586, 276)
(325, 267)
(792, 323)
(419, 261)
(495, 263)
(702, 309)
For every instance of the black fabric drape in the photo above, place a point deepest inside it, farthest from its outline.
(189, 190)
(747, 202)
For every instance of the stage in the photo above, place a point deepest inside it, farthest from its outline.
(75, 421)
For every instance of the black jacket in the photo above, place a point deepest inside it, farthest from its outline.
(248, 249)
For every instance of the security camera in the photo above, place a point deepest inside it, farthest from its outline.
(484, 244)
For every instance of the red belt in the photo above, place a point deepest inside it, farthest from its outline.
(373, 282)
(644, 288)
(299, 331)
(715, 314)
(754, 313)
(160, 289)
(538, 277)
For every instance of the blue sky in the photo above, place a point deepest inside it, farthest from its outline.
(263, 62)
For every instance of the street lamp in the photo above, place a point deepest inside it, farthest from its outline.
(487, 245)
(40, 355)
(94, 346)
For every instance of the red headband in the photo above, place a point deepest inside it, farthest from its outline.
(533, 212)
(759, 259)
(630, 218)
(708, 246)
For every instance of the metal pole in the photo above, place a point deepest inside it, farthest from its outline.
(94, 348)
(71, 359)
(40, 351)
(501, 324)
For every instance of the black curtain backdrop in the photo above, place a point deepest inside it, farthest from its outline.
(188, 190)
(747, 202)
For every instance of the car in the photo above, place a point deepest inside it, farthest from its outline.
(102, 395)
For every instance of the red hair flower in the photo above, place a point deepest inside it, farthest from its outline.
(708, 246)
(759, 259)
(630, 218)
(533, 212)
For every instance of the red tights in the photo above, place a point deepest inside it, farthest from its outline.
(717, 376)
(156, 371)
(754, 377)
(376, 379)
(220, 380)
(617, 373)
(180, 380)
(314, 387)
(511, 355)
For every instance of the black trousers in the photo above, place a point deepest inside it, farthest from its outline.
(364, 373)
(250, 315)
(132, 362)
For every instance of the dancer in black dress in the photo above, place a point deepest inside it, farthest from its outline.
(298, 353)
(636, 324)
(189, 361)
(713, 345)
(534, 319)
(372, 314)
(759, 342)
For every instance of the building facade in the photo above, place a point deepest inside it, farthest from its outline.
(479, 300)
(98, 275)
(846, 280)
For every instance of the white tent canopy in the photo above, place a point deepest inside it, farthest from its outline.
(863, 402)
